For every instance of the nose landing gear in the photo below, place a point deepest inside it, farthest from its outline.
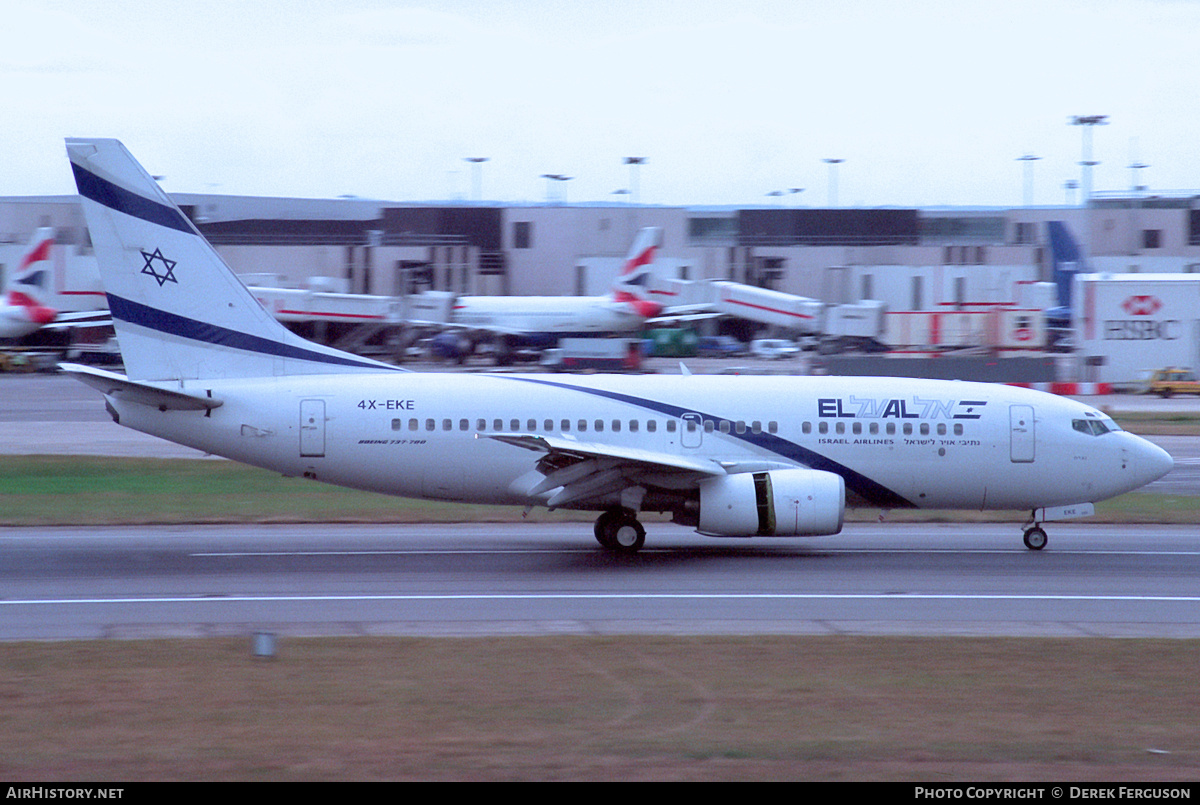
(1035, 538)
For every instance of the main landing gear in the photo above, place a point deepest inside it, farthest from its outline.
(619, 531)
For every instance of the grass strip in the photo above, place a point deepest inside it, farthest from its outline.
(602, 708)
(86, 490)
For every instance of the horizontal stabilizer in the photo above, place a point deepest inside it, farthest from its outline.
(112, 384)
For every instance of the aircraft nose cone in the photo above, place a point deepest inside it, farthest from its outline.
(1152, 462)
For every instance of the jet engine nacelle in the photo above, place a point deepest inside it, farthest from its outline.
(777, 503)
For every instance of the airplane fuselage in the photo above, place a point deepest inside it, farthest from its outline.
(896, 443)
(540, 317)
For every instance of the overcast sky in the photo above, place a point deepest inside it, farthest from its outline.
(929, 101)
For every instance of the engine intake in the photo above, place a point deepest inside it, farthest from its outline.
(777, 503)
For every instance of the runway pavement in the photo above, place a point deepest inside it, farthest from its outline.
(940, 579)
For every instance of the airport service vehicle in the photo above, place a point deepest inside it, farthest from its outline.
(1166, 382)
(773, 348)
(770, 456)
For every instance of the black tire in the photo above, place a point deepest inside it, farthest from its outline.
(1035, 538)
(619, 531)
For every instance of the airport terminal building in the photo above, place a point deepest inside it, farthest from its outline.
(917, 262)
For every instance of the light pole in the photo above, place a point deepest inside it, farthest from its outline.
(1028, 159)
(833, 162)
(1087, 123)
(634, 163)
(555, 177)
(477, 175)
(1135, 169)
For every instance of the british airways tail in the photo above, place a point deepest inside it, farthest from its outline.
(180, 313)
(29, 287)
(632, 286)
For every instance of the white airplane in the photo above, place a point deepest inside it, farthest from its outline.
(733, 456)
(25, 309)
(512, 322)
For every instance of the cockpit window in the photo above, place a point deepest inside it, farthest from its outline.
(1094, 427)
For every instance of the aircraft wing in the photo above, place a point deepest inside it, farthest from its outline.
(121, 387)
(582, 470)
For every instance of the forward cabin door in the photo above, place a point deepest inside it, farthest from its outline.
(1021, 433)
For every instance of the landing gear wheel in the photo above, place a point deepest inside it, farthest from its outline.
(1035, 538)
(619, 531)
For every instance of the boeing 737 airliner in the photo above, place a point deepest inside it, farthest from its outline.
(767, 456)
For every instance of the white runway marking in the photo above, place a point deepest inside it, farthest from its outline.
(1188, 599)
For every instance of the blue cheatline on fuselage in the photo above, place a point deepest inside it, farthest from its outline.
(871, 491)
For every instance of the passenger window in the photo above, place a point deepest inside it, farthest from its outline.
(498, 424)
(633, 426)
(430, 424)
(724, 426)
(773, 426)
(874, 428)
(549, 423)
(924, 428)
(414, 424)
(582, 425)
(481, 424)
(708, 426)
(566, 426)
(806, 427)
(941, 429)
(840, 427)
(447, 424)
(616, 426)
(531, 424)
(395, 424)
(958, 429)
(857, 428)
(464, 424)
(741, 426)
(514, 424)
(599, 425)
(756, 427)
(908, 429)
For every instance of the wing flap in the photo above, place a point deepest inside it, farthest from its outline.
(574, 470)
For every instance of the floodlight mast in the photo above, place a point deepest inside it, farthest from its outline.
(634, 163)
(1028, 159)
(477, 175)
(1087, 123)
(833, 162)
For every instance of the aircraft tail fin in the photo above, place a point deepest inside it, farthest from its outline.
(29, 286)
(632, 286)
(1067, 257)
(179, 311)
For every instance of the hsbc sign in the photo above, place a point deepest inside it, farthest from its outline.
(1142, 305)
(1140, 326)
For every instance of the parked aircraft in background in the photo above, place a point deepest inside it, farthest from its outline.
(733, 456)
(27, 304)
(539, 322)
(27, 291)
